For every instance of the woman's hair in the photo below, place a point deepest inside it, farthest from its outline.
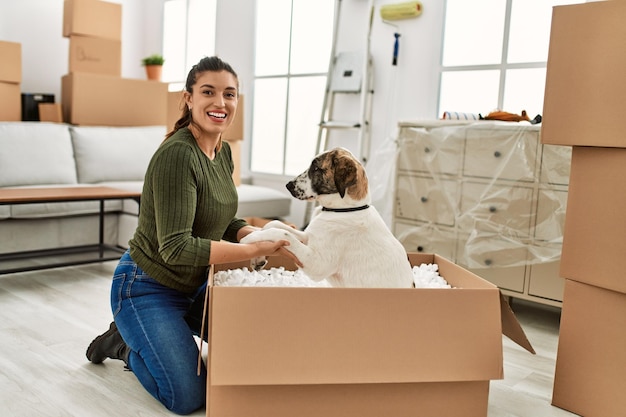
(211, 63)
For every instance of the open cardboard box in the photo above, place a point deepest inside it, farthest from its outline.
(357, 351)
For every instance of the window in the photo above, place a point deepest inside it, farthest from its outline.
(494, 55)
(290, 79)
(181, 49)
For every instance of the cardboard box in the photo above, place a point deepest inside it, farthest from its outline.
(50, 112)
(584, 95)
(103, 100)
(11, 58)
(175, 105)
(235, 149)
(95, 55)
(591, 362)
(235, 130)
(99, 19)
(595, 220)
(10, 102)
(357, 351)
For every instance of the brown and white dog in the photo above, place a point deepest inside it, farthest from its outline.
(347, 242)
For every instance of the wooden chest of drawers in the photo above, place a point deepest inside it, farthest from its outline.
(487, 195)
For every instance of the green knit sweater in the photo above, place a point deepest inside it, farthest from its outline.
(187, 201)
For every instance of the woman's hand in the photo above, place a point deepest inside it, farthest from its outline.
(269, 248)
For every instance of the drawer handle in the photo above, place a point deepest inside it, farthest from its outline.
(493, 209)
(497, 154)
(424, 199)
(420, 248)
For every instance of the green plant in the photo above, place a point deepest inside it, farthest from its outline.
(154, 59)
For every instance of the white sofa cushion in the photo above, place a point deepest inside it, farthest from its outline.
(114, 153)
(259, 201)
(35, 153)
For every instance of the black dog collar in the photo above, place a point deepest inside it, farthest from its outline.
(345, 210)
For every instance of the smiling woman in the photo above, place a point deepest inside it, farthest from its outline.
(187, 221)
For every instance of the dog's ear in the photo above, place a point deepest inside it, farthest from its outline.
(345, 174)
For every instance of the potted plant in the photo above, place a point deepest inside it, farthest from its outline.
(154, 66)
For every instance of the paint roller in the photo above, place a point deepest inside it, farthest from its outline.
(399, 11)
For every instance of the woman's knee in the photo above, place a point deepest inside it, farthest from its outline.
(185, 403)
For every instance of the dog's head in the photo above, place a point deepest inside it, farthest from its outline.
(333, 176)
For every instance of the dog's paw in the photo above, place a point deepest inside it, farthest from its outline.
(258, 263)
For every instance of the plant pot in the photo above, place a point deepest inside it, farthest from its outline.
(153, 72)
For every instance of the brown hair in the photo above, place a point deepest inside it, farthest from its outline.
(213, 64)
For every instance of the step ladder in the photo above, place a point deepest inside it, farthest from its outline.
(350, 73)
(350, 77)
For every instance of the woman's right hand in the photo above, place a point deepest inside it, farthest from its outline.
(269, 248)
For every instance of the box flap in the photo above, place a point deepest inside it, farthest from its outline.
(511, 327)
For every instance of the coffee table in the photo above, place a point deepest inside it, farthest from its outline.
(64, 256)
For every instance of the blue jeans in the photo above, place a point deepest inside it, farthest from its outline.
(158, 324)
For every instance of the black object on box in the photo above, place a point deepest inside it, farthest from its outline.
(30, 105)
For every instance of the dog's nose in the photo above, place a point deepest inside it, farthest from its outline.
(291, 186)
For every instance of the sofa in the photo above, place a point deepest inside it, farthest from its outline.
(39, 154)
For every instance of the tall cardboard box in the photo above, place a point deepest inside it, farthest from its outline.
(590, 375)
(11, 58)
(103, 100)
(594, 241)
(584, 95)
(95, 18)
(95, 55)
(336, 352)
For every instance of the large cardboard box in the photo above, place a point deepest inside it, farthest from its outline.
(10, 102)
(235, 150)
(99, 19)
(94, 99)
(95, 55)
(594, 240)
(357, 351)
(175, 105)
(590, 372)
(11, 58)
(585, 89)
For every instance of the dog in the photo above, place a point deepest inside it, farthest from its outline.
(346, 242)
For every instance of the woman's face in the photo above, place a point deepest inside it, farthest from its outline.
(213, 102)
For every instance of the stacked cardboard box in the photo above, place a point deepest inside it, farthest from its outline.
(366, 352)
(584, 107)
(93, 93)
(10, 80)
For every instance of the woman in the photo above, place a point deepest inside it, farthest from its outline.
(186, 222)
